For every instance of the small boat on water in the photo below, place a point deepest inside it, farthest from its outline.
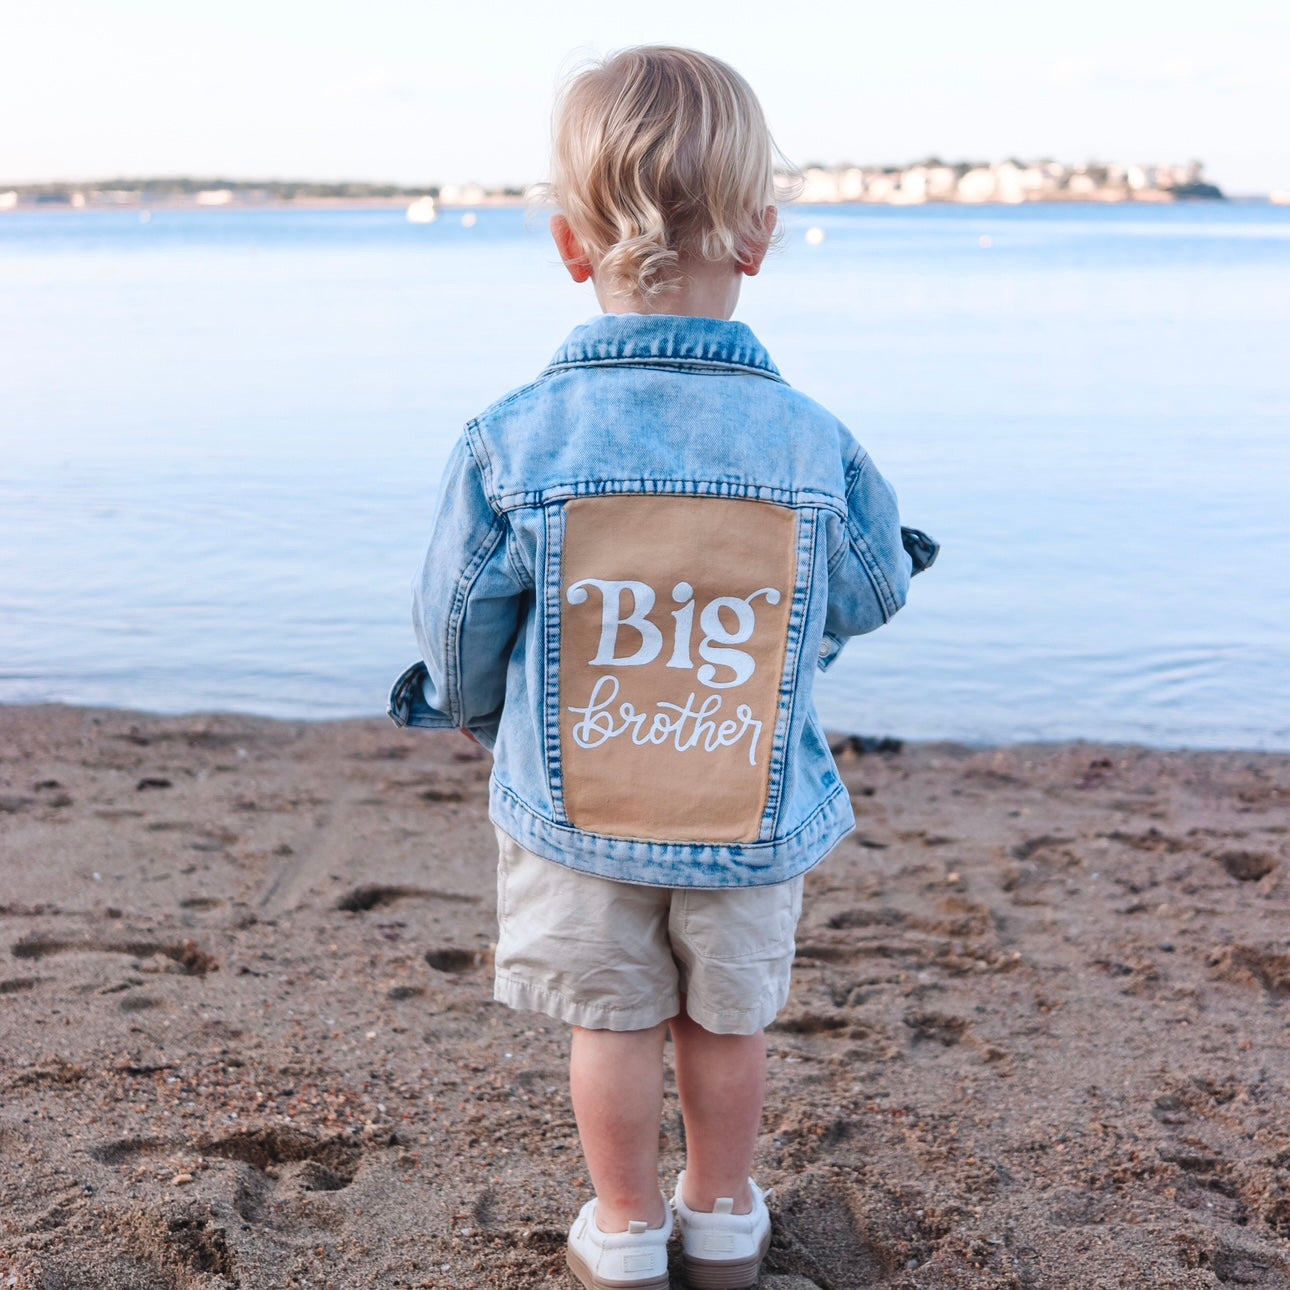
(422, 211)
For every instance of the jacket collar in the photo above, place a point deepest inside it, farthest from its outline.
(645, 338)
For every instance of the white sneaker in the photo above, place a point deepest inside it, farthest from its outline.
(632, 1260)
(723, 1250)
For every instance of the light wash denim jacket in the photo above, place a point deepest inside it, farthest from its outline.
(637, 563)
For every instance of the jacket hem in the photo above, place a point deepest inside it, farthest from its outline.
(678, 864)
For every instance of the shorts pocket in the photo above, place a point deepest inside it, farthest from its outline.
(738, 924)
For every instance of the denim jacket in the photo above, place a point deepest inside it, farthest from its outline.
(637, 563)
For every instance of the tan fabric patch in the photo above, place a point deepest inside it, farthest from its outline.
(674, 626)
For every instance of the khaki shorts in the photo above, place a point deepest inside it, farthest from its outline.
(618, 956)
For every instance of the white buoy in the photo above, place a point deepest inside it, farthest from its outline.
(814, 236)
(985, 241)
(422, 211)
(144, 216)
(469, 219)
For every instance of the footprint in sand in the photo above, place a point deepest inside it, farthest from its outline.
(454, 961)
(376, 896)
(936, 1026)
(1249, 965)
(1245, 1191)
(276, 1156)
(336, 1160)
(180, 1245)
(1247, 866)
(121, 1151)
(185, 954)
(828, 1234)
(279, 1156)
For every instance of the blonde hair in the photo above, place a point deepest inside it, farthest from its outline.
(660, 154)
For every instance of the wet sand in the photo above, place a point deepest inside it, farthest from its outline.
(1037, 1035)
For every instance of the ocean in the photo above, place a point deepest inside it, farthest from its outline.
(222, 430)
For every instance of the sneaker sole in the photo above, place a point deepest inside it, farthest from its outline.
(592, 1282)
(725, 1274)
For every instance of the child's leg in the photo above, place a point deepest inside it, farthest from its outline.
(616, 1082)
(722, 1082)
(735, 947)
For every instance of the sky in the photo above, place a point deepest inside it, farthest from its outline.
(432, 92)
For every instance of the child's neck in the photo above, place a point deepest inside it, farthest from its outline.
(706, 290)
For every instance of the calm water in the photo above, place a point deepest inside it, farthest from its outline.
(221, 433)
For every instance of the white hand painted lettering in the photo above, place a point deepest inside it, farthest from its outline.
(683, 726)
(611, 619)
(739, 661)
(683, 594)
(714, 646)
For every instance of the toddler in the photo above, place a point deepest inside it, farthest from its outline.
(638, 561)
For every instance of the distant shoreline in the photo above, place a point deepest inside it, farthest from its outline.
(930, 182)
(518, 203)
(281, 203)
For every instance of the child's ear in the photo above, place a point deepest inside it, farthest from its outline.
(571, 252)
(757, 252)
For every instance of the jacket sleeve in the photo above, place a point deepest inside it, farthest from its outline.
(869, 568)
(468, 602)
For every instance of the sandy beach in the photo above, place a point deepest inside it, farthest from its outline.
(1037, 1034)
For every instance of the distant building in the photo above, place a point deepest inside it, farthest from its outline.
(976, 185)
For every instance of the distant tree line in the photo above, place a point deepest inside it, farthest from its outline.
(187, 186)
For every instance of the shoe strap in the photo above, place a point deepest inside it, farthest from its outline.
(724, 1205)
(637, 1227)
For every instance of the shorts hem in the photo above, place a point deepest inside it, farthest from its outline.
(527, 997)
(734, 1021)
